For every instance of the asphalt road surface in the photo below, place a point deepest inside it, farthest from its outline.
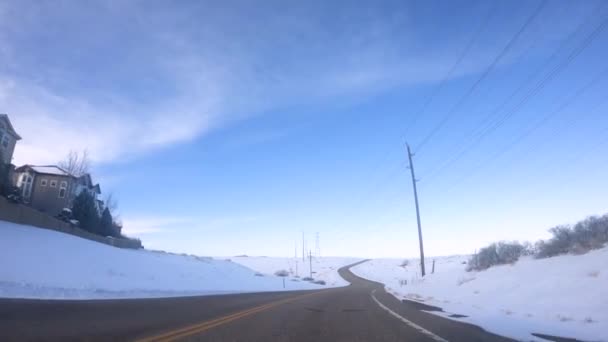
(362, 311)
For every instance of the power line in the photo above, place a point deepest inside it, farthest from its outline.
(567, 124)
(448, 76)
(436, 90)
(525, 134)
(482, 77)
(481, 133)
(553, 73)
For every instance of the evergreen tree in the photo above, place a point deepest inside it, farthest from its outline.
(5, 182)
(85, 212)
(106, 224)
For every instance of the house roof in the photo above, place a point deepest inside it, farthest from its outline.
(10, 126)
(86, 178)
(46, 169)
(88, 182)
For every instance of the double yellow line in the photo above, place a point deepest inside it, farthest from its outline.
(206, 325)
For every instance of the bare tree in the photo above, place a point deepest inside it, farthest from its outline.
(76, 163)
(111, 203)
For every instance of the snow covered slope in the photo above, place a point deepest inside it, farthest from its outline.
(39, 263)
(324, 268)
(565, 296)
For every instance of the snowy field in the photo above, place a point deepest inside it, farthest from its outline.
(565, 296)
(39, 263)
(324, 268)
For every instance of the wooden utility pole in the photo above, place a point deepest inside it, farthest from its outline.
(303, 248)
(409, 157)
(310, 262)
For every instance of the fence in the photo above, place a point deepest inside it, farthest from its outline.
(21, 214)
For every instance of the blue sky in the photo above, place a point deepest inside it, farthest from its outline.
(231, 128)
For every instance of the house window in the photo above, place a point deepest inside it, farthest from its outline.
(5, 141)
(43, 182)
(63, 188)
(53, 184)
(26, 185)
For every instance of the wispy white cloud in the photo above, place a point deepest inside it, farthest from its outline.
(123, 78)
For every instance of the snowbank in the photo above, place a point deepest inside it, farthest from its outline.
(324, 268)
(39, 263)
(565, 296)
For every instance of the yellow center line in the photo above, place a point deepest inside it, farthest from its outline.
(206, 325)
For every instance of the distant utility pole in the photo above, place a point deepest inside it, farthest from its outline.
(296, 267)
(310, 262)
(303, 248)
(409, 157)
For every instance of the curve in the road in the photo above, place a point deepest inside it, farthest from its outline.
(362, 311)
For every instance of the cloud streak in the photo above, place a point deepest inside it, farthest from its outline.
(121, 79)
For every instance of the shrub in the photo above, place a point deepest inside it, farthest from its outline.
(405, 263)
(134, 242)
(319, 282)
(529, 249)
(308, 279)
(496, 254)
(281, 273)
(590, 233)
(559, 244)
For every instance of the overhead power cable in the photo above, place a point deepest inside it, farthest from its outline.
(500, 122)
(392, 172)
(522, 136)
(480, 28)
(482, 77)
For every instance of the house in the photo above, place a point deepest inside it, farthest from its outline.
(8, 139)
(50, 188)
(85, 183)
(46, 188)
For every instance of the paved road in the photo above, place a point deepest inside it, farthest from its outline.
(359, 312)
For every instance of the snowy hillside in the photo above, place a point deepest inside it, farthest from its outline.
(565, 295)
(39, 263)
(324, 268)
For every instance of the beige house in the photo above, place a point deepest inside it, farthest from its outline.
(8, 139)
(50, 189)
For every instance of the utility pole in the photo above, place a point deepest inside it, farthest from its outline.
(296, 267)
(303, 248)
(317, 246)
(409, 157)
(310, 262)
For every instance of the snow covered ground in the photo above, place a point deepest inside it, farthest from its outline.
(324, 268)
(39, 263)
(565, 296)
